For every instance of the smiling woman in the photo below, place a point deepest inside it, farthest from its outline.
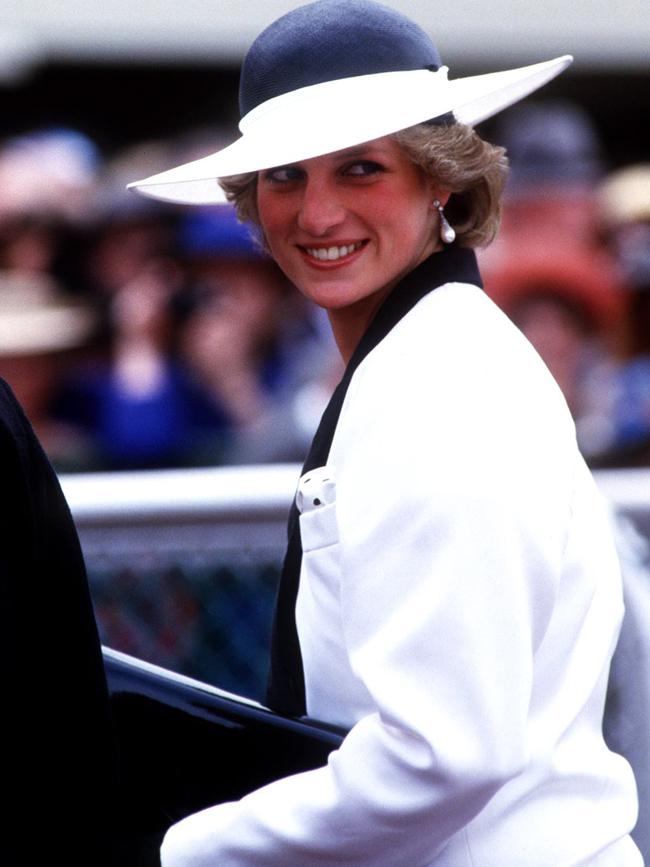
(345, 227)
(450, 594)
(381, 181)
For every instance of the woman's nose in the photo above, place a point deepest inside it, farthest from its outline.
(320, 209)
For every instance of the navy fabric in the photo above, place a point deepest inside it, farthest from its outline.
(328, 40)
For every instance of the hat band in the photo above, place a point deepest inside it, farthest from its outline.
(335, 115)
(343, 95)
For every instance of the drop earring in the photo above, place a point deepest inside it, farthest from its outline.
(447, 234)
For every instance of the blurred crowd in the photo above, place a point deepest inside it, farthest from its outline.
(145, 336)
(571, 267)
(138, 335)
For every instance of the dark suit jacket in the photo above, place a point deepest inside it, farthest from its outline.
(59, 774)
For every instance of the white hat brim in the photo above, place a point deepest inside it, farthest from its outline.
(334, 115)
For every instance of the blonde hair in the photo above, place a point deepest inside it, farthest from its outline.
(454, 155)
(474, 170)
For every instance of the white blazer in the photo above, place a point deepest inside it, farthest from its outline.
(459, 603)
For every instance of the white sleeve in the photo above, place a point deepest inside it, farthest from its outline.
(445, 592)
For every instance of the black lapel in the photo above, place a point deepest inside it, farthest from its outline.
(286, 684)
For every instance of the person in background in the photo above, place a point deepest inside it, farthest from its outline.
(251, 342)
(556, 163)
(624, 199)
(138, 406)
(41, 330)
(50, 172)
(571, 309)
(551, 233)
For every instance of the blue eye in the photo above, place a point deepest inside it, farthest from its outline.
(283, 174)
(363, 168)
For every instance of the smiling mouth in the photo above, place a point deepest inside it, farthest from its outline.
(333, 253)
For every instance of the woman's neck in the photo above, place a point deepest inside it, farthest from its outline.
(351, 322)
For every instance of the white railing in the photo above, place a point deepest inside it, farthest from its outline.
(235, 509)
(165, 496)
(236, 514)
(226, 493)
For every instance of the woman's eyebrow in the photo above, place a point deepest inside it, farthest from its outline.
(280, 167)
(338, 156)
(360, 151)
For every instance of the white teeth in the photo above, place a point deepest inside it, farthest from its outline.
(332, 253)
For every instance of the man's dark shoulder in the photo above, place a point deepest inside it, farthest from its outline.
(13, 422)
(35, 522)
(21, 454)
(16, 444)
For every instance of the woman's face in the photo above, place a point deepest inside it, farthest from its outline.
(347, 226)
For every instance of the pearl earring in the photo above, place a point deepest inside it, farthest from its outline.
(447, 234)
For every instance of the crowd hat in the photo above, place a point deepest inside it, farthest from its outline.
(588, 283)
(625, 195)
(334, 74)
(37, 319)
(216, 233)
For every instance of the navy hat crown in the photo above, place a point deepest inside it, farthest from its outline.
(328, 40)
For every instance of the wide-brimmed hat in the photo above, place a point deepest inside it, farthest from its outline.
(334, 74)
